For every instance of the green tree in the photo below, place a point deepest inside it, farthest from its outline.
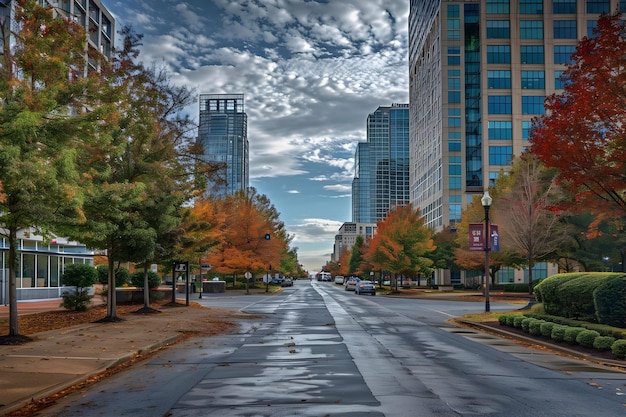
(81, 277)
(43, 121)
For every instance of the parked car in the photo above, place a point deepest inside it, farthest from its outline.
(351, 283)
(365, 287)
(276, 281)
(287, 282)
(339, 279)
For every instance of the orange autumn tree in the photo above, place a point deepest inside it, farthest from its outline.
(201, 230)
(253, 240)
(401, 244)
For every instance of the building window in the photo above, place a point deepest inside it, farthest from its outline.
(565, 29)
(564, 6)
(500, 130)
(500, 155)
(454, 146)
(559, 84)
(533, 80)
(598, 6)
(454, 83)
(454, 122)
(531, 6)
(622, 6)
(526, 127)
(498, 6)
(498, 54)
(454, 60)
(454, 29)
(533, 105)
(498, 29)
(499, 79)
(454, 169)
(493, 176)
(499, 104)
(592, 24)
(455, 183)
(531, 29)
(454, 96)
(454, 11)
(563, 54)
(532, 54)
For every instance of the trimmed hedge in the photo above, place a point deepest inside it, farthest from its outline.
(558, 333)
(618, 348)
(546, 328)
(603, 342)
(571, 333)
(610, 301)
(535, 327)
(587, 338)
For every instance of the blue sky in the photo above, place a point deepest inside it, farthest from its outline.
(311, 72)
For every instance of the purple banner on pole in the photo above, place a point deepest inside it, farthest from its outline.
(476, 241)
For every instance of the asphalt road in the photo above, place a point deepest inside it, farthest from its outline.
(316, 350)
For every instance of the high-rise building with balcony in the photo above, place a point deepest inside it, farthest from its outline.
(479, 71)
(223, 133)
(381, 178)
(90, 14)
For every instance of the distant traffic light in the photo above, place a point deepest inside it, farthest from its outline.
(267, 236)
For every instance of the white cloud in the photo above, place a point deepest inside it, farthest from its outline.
(311, 72)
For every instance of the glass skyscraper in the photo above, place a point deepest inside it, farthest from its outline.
(381, 179)
(479, 71)
(223, 133)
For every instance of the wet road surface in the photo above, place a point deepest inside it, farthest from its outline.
(317, 350)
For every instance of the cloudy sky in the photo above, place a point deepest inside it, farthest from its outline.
(311, 72)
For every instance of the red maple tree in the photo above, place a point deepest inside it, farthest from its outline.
(583, 133)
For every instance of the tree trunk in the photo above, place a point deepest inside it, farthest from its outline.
(13, 327)
(146, 287)
(111, 299)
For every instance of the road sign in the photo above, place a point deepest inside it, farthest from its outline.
(182, 267)
(205, 266)
(247, 275)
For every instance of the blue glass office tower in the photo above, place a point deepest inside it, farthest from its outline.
(381, 179)
(223, 133)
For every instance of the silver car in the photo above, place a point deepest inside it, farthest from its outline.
(365, 287)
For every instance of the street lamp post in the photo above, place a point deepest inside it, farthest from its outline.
(486, 202)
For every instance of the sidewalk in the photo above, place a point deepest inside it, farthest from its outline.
(58, 359)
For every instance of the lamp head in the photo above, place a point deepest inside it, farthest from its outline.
(486, 200)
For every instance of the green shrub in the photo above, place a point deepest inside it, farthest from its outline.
(576, 296)
(571, 333)
(122, 276)
(603, 342)
(558, 333)
(534, 327)
(526, 324)
(81, 277)
(502, 319)
(586, 338)
(510, 319)
(610, 301)
(517, 321)
(137, 279)
(619, 348)
(546, 328)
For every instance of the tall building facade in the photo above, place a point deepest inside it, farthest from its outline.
(479, 71)
(381, 177)
(346, 237)
(97, 21)
(223, 133)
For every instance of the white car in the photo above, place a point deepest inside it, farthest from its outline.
(351, 284)
(339, 279)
